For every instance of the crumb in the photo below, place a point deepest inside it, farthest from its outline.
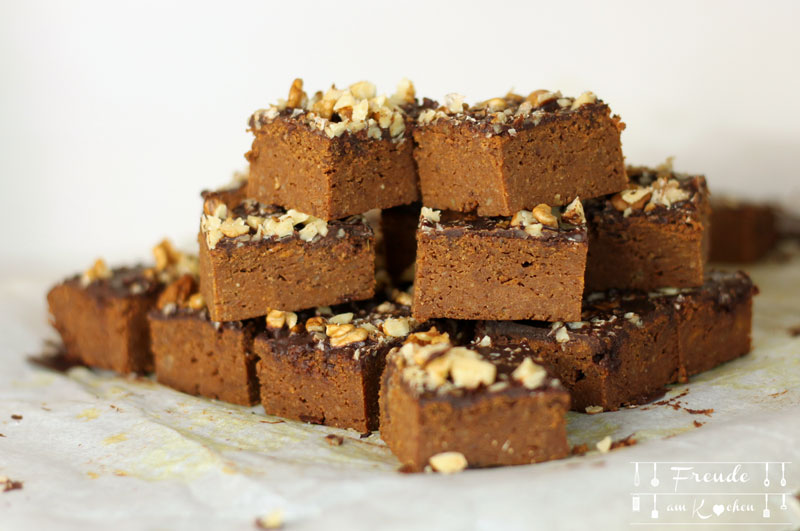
(697, 423)
(580, 449)
(604, 445)
(365, 435)
(775, 395)
(272, 421)
(630, 440)
(16, 417)
(706, 412)
(405, 469)
(334, 440)
(1, 435)
(273, 520)
(794, 331)
(7, 484)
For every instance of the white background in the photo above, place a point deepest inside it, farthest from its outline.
(113, 117)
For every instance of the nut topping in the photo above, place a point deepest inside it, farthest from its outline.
(315, 324)
(277, 319)
(529, 374)
(574, 214)
(431, 215)
(396, 327)
(448, 462)
(543, 214)
(353, 336)
(99, 270)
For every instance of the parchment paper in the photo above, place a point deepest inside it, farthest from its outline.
(97, 451)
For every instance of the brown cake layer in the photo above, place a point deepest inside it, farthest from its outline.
(513, 153)
(471, 267)
(655, 234)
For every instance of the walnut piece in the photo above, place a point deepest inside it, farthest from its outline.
(529, 374)
(396, 327)
(544, 215)
(574, 214)
(431, 215)
(315, 324)
(448, 462)
(99, 270)
(354, 336)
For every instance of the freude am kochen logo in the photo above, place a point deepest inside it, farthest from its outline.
(736, 493)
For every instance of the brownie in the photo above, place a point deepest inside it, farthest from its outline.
(399, 225)
(492, 405)
(324, 368)
(335, 154)
(715, 320)
(101, 317)
(529, 266)
(231, 195)
(623, 351)
(508, 154)
(652, 235)
(198, 356)
(742, 232)
(101, 314)
(629, 345)
(259, 257)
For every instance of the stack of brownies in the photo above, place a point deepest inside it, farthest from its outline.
(546, 276)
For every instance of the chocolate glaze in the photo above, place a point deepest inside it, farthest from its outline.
(354, 227)
(456, 224)
(480, 121)
(123, 282)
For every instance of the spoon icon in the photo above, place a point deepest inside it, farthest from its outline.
(654, 481)
(636, 475)
(783, 474)
(766, 474)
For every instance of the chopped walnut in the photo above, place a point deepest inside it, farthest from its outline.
(594, 410)
(468, 369)
(544, 215)
(574, 214)
(454, 103)
(402, 298)
(448, 462)
(350, 110)
(315, 324)
(196, 302)
(396, 327)
(604, 445)
(99, 270)
(178, 292)
(537, 98)
(342, 318)
(273, 520)
(530, 374)
(431, 214)
(584, 99)
(353, 336)
(277, 319)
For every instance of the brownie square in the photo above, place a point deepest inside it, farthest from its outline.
(493, 406)
(198, 356)
(508, 154)
(262, 257)
(101, 317)
(530, 266)
(654, 234)
(742, 232)
(715, 320)
(624, 351)
(325, 369)
(335, 154)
